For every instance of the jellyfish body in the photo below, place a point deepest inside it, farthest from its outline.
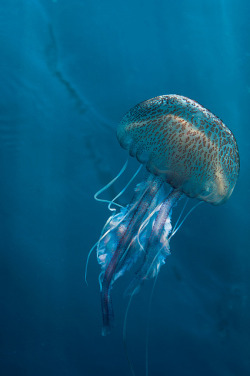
(180, 143)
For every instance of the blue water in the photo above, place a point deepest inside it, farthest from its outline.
(69, 72)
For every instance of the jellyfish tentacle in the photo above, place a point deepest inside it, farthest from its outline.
(109, 185)
(181, 213)
(148, 322)
(124, 189)
(124, 336)
(188, 213)
(142, 206)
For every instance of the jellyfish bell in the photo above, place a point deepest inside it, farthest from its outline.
(184, 143)
(180, 143)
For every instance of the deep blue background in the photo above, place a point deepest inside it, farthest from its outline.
(70, 69)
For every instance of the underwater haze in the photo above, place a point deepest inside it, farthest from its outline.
(70, 70)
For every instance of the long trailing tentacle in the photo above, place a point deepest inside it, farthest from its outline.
(148, 322)
(182, 211)
(124, 336)
(109, 184)
(124, 189)
(188, 213)
(124, 331)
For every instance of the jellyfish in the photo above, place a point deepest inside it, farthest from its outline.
(182, 145)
